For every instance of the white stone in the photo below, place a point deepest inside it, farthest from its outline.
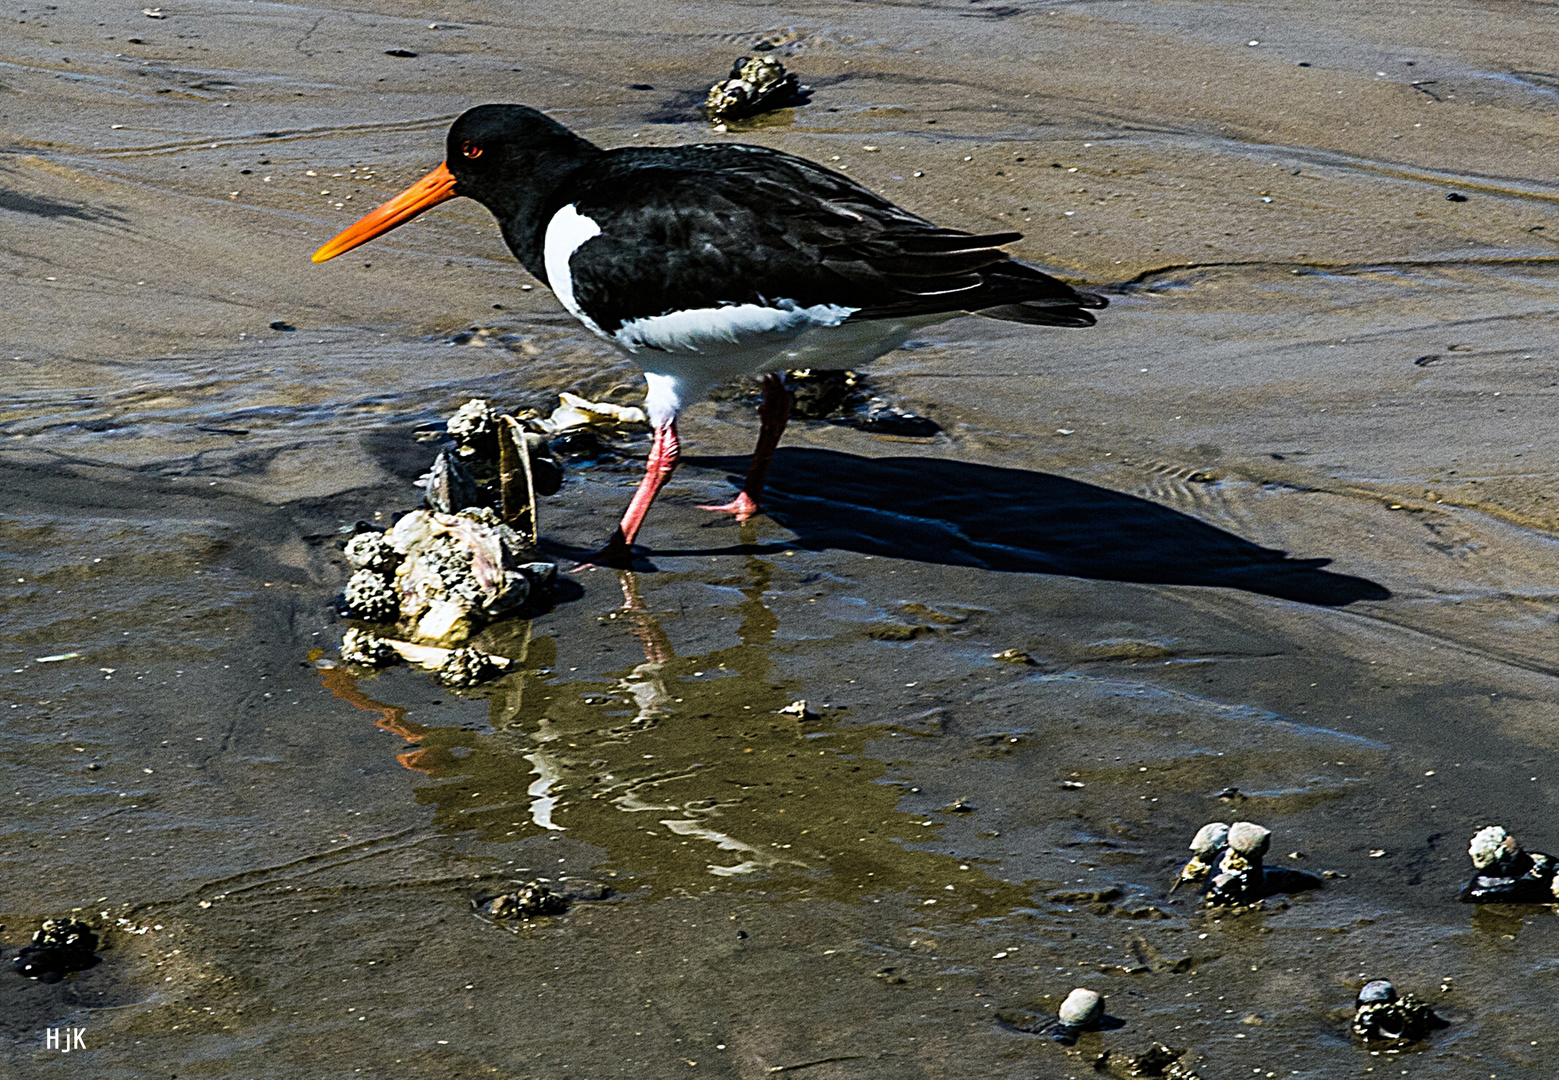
(1377, 991)
(1081, 1007)
(1249, 839)
(1210, 837)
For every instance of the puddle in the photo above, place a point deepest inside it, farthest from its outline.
(683, 770)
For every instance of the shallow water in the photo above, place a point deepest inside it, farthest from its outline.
(1283, 522)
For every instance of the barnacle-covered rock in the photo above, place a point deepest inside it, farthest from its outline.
(460, 571)
(1240, 877)
(443, 573)
(1230, 858)
(366, 648)
(467, 667)
(58, 947)
(370, 597)
(1490, 845)
(468, 474)
(1381, 1014)
(371, 551)
(755, 85)
(1206, 845)
(474, 427)
(1508, 875)
(528, 902)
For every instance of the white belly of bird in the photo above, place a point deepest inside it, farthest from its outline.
(679, 377)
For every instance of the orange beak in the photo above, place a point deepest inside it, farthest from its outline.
(436, 187)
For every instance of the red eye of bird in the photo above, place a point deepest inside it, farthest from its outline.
(471, 150)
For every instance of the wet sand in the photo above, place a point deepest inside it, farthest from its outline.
(1283, 522)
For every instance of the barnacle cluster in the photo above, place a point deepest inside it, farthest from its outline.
(366, 648)
(468, 473)
(371, 551)
(466, 667)
(756, 84)
(461, 570)
(1228, 863)
(1506, 874)
(442, 576)
(370, 596)
(439, 575)
(474, 427)
(1380, 1013)
(58, 947)
(529, 901)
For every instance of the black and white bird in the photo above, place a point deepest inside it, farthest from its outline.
(711, 262)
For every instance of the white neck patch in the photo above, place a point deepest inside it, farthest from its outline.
(566, 233)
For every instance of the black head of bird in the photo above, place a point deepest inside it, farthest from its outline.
(509, 158)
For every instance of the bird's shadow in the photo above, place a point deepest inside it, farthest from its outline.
(955, 513)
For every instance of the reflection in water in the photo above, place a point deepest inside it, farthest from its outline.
(684, 771)
(343, 684)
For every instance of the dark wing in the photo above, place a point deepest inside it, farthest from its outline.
(700, 227)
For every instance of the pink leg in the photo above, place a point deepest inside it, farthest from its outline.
(772, 415)
(664, 452)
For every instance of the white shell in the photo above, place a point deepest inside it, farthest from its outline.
(1082, 1006)
(1488, 844)
(1210, 837)
(1249, 839)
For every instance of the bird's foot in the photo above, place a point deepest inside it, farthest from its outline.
(614, 554)
(741, 508)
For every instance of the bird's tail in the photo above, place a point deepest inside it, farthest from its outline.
(1048, 312)
(1037, 298)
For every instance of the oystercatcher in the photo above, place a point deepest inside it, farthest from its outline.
(710, 262)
